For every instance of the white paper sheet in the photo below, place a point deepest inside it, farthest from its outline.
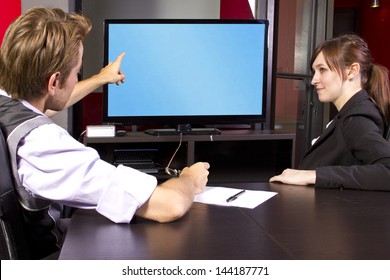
(218, 195)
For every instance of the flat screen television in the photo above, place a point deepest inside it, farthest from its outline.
(187, 73)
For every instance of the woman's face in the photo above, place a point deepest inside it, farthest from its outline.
(329, 83)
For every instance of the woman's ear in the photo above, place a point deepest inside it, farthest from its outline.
(53, 83)
(353, 71)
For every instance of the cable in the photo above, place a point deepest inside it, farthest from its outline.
(171, 171)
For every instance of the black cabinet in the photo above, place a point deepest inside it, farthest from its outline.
(234, 155)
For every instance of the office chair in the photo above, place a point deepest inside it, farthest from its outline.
(13, 241)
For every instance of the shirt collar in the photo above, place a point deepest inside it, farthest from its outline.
(24, 102)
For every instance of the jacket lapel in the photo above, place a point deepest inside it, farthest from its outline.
(358, 97)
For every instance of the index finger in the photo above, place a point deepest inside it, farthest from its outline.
(120, 57)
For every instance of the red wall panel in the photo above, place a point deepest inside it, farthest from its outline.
(9, 10)
(374, 27)
(235, 9)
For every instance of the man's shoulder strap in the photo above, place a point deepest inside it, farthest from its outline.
(27, 200)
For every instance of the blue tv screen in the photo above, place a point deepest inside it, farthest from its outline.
(187, 71)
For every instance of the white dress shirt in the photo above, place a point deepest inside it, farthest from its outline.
(53, 165)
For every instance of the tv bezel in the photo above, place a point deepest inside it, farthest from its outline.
(195, 121)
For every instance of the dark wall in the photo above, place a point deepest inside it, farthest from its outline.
(373, 24)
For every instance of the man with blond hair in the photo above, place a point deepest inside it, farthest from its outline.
(40, 58)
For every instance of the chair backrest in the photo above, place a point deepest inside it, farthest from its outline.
(13, 241)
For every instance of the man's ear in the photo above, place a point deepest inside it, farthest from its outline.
(353, 71)
(53, 83)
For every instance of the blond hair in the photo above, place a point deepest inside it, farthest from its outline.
(37, 44)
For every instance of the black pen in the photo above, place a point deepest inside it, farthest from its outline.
(234, 197)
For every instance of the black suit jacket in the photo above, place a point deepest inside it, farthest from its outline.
(352, 152)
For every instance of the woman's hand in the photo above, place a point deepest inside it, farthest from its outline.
(296, 177)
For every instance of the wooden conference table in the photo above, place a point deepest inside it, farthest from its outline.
(297, 223)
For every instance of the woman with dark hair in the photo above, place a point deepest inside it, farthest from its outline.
(352, 152)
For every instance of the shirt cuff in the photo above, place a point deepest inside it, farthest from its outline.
(129, 189)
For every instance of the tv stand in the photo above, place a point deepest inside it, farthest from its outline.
(184, 129)
(257, 126)
(239, 155)
(192, 131)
